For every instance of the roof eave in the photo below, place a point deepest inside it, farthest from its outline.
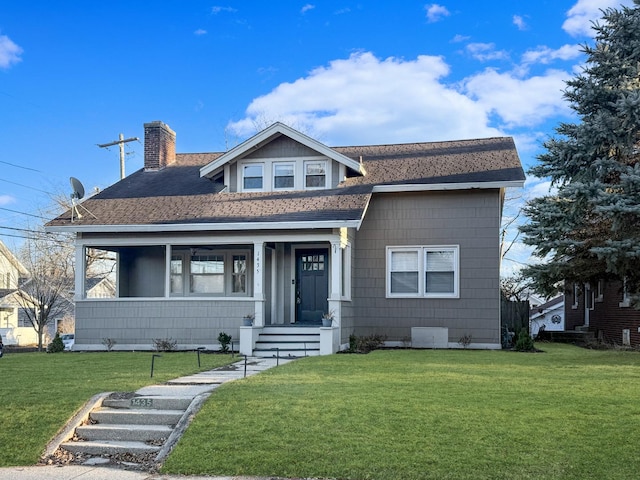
(425, 187)
(198, 227)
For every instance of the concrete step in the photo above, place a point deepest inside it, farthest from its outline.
(278, 337)
(109, 447)
(117, 416)
(139, 433)
(149, 402)
(286, 353)
(291, 330)
(287, 345)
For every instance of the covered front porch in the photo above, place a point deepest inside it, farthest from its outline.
(191, 289)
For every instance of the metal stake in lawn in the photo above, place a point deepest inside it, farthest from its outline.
(153, 358)
(198, 350)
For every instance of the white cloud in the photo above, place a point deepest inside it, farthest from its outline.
(485, 52)
(9, 52)
(584, 12)
(546, 55)
(436, 12)
(363, 99)
(519, 101)
(460, 38)
(536, 187)
(519, 22)
(306, 8)
(218, 9)
(199, 32)
(6, 199)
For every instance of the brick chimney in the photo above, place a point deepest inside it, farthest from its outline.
(159, 145)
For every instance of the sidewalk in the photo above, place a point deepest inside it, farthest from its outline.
(197, 383)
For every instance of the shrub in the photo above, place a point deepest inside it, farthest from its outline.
(56, 345)
(524, 343)
(365, 344)
(225, 340)
(109, 343)
(165, 344)
(465, 340)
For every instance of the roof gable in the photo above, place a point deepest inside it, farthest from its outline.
(13, 260)
(268, 135)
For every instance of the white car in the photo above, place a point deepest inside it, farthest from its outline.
(68, 339)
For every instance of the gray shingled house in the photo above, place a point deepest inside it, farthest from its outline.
(397, 240)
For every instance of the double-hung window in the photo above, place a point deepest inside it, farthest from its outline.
(315, 174)
(424, 271)
(404, 272)
(253, 176)
(206, 274)
(283, 176)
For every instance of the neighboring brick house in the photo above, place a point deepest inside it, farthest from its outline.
(603, 309)
(395, 240)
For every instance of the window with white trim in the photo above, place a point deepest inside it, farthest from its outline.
(440, 271)
(589, 297)
(600, 291)
(315, 174)
(425, 271)
(239, 274)
(177, 285)
(205, 271)
(253, 176)
(206, 274)
(576, 292)
(626, 301)
(283, 176)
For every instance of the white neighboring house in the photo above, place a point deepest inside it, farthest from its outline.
(550, 314)
(15, 328)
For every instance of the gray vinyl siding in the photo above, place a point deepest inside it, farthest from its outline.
(467, 218)
(283, 147)
(191, 323)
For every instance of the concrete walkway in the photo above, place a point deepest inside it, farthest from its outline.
(192, 385)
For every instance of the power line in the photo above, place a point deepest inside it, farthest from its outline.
(25, 186)
(18, 236)
(20, 229)
(24, 213)
(20, 166)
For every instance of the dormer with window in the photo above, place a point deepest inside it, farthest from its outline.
(281, 159)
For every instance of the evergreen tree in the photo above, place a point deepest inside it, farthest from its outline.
(590, 229)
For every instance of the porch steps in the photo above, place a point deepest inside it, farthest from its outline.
(137, 425)
(288, 342)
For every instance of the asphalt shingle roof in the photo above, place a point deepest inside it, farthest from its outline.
(178, 195)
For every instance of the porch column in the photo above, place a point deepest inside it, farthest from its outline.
(335, 282)
(258, 282)
(81, 267)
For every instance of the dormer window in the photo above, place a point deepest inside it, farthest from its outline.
(253, 176)
(315, 174)
(283, 176)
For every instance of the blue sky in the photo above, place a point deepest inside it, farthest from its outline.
(75, 74)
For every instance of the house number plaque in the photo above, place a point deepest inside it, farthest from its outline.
(142, 402)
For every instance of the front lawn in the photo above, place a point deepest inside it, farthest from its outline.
(567, 413)
(39, 392)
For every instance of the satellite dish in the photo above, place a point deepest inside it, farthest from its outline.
(78, 189)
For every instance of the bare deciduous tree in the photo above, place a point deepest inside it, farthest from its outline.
(45, 295)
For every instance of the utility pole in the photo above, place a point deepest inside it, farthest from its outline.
(121, 143)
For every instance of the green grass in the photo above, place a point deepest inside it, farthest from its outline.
(568, 413)
(39, 392)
